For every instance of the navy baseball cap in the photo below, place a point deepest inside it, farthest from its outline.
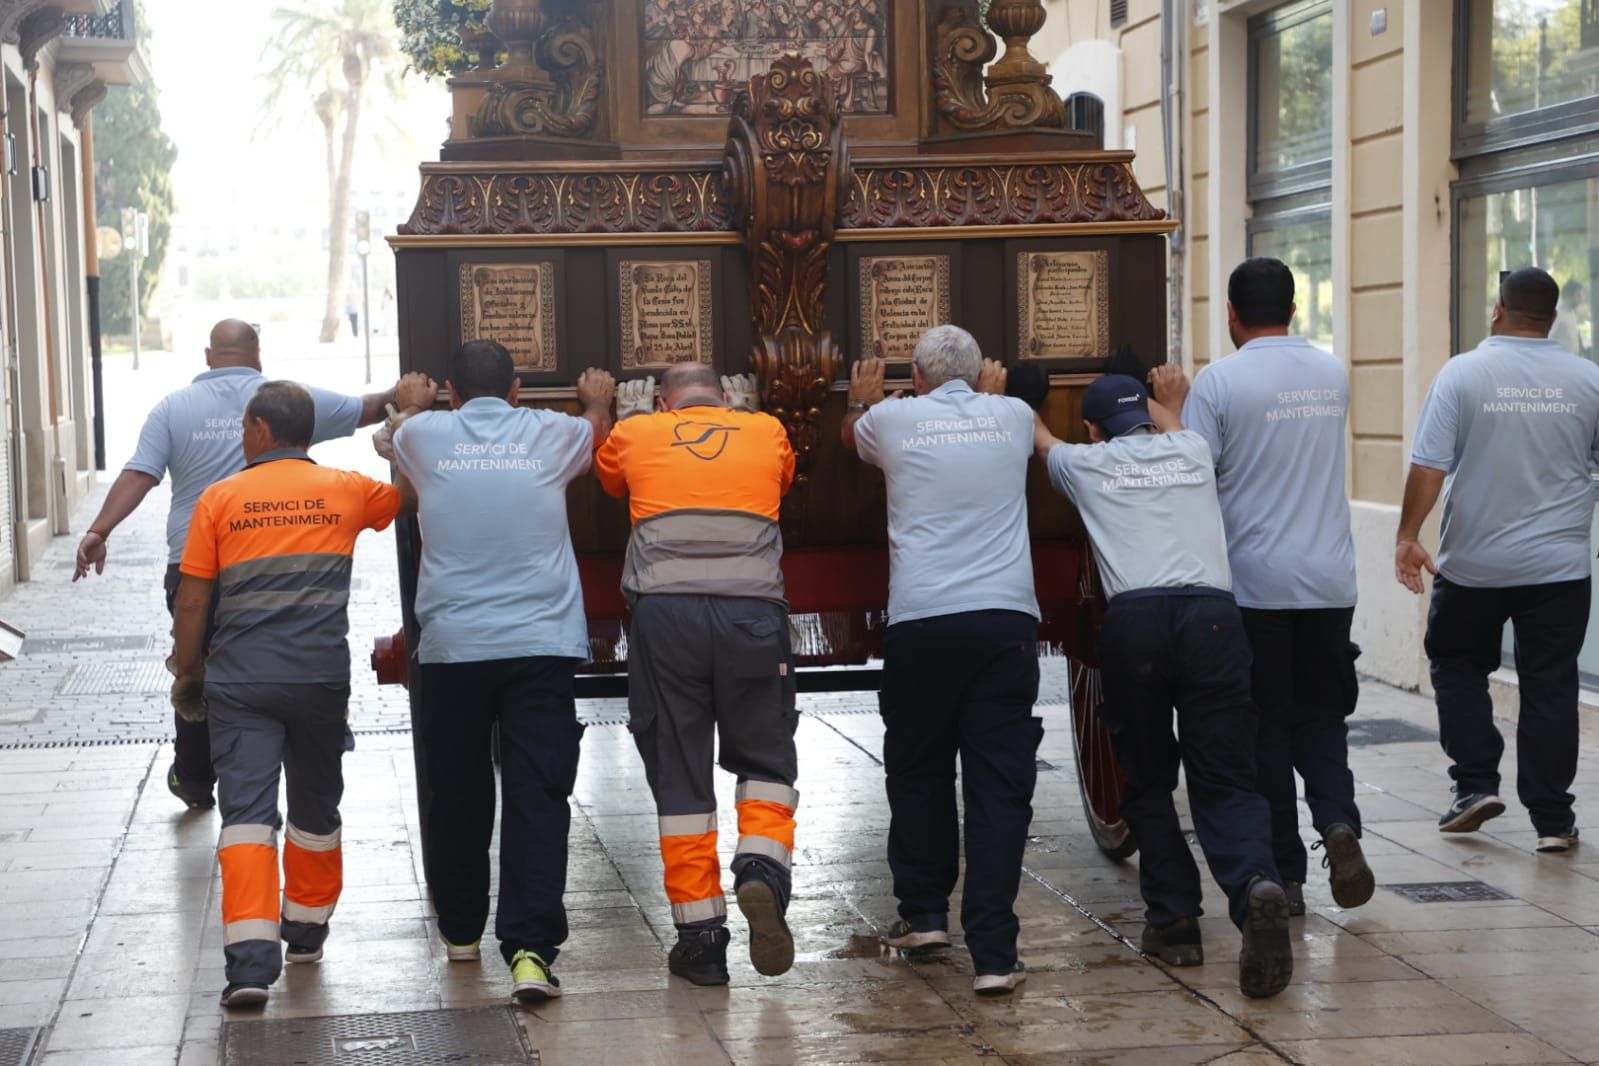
(1117, 404)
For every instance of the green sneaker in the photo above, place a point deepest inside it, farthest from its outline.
(531, 979)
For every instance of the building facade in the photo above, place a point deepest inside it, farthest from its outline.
(1397, 155)
(57, 59)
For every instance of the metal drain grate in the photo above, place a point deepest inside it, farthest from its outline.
(16, 1045)
(1448, 892)
(485, 1036)
(115, 679)
(1371, 732)
(59, 645)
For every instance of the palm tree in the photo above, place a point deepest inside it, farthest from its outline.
(326, 53)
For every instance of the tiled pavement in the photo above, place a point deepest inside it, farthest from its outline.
(109, 936)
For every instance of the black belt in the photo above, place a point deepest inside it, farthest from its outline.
(1185, 591)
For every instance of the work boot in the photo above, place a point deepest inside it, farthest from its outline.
(1296, 898)
(1177, 944)
(1266, 959)
(1352, 880)
(700, 956)
(764, 903)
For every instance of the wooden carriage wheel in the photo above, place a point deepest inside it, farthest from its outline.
(1099, 776)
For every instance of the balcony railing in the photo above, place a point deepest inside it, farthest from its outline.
(114, 26)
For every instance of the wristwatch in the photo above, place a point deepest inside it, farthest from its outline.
(858, 405)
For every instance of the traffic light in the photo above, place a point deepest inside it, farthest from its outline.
(363, 225)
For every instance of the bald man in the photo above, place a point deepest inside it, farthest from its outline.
(196, 433)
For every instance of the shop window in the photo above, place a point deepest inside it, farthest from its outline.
(1290, 153)
(1526, 70)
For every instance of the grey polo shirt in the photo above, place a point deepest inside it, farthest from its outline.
(956, 465)
(1149, 502)
(197, 433)
(1515, 425)
(1274, 415)
(498, 578)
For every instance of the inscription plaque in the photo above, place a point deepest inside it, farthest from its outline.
(901, 297)
(515, 305)
(1063, 304)
(667, 312)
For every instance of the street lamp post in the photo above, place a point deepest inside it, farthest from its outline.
(136, 237)
(363, 248)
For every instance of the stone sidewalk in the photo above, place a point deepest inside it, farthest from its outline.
(110, 940)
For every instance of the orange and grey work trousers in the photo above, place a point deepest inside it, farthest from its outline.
(256, 729)
(703, 669)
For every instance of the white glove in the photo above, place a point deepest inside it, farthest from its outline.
(742, 393)
(383, 439)
(635, 398)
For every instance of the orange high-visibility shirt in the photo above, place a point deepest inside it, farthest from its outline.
(278, 539)
(708, 457)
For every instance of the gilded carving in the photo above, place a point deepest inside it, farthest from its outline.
(785, 166)
(1015, 92)
(554, 201)
(564, 104)
(892, 196)
(1063, 304)
(667, 312)
(513, 303)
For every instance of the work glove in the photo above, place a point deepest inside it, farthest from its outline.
(188, 698)
(635, 398)
(383, 439)
(743, 393)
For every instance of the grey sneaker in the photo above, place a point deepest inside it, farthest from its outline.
(1351, 878)
(1469, 811)
(1000, 984)
(244, 994)
(1562, 841)
(904, 936)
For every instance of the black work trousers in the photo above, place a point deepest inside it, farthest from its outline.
(961, 684)
(191, 743)
(1465, 633)
(1159, 651)
(532, 700)
(1304, 687)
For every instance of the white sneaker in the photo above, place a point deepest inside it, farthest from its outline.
(1559, 842)
(472, 952)
(902, 936)
(1000, 984)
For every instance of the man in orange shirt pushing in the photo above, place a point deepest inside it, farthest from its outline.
(709, 653)
(275, 542)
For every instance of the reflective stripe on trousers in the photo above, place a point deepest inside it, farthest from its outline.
(766, 821)
(248, 855)
(693, 873)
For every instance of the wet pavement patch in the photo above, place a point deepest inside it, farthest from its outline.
(1448, 892)
(16, 1045)
(1371, 732)
(484, 1036)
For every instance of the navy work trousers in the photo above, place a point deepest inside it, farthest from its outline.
(1305, 687)
(191, 744)
(1160, 651)
(961, 684)
(534, 703)
(1465, 632)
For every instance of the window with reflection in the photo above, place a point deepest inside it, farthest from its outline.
(1526, 67)
(1290, 153)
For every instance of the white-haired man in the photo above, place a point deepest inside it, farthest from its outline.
(960, 665)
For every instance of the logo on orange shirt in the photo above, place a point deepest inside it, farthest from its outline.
(704, 440)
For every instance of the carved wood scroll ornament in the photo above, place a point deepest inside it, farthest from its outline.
(786, 168)
(564, 105)
(1015, 94)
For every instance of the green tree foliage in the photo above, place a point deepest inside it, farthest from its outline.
(430, 33)
(133, 168)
